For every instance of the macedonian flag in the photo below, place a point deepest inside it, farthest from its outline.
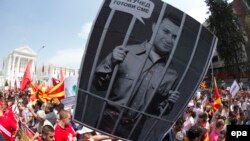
(49, 93)
(217, 101)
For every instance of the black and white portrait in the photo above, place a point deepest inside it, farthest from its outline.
(142, 64)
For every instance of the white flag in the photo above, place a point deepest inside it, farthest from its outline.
(70, 86)
(234, 88)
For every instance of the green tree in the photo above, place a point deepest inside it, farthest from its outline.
(225, 25)
(247, 5)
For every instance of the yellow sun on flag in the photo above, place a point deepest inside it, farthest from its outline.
(203, 85)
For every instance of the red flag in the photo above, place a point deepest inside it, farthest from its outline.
(55, 81)
(217, 101)
(9, 113)
(49, 93)
(56, 91)
(26, 77)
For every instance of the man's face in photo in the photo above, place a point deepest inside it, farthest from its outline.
(165, 37)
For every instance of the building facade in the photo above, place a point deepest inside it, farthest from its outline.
(46, 72)
(15, 65)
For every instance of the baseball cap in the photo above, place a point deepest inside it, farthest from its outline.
(191, 104)
(84, 130)
(41, 114)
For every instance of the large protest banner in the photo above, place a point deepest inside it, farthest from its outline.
(143, 62)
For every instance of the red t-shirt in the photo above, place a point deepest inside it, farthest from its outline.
(7, 128)
(9, 113)
(64, 134)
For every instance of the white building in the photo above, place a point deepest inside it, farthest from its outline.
(46, 72)
(2, 80)
(15, 66)
(16, 62)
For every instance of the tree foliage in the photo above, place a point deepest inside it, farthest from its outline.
(247, 5)
(225, 25)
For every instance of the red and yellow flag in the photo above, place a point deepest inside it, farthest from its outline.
(217, 101)
(203, 85)
(48, 93)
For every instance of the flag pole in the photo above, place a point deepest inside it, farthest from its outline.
(36, 72)
(212, 74)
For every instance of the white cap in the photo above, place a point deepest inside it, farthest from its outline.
(41, 114)
(191, 104)
(198, 95)
(84, 130)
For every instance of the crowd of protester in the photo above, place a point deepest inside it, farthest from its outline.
(48, 120)
(203, 122)
(44, 120)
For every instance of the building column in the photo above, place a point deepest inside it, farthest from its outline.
(18, 64)
(13, 67)
(18, 69)
(8, 70)
(33, 65)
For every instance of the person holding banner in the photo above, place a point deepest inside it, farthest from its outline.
(129, 59)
